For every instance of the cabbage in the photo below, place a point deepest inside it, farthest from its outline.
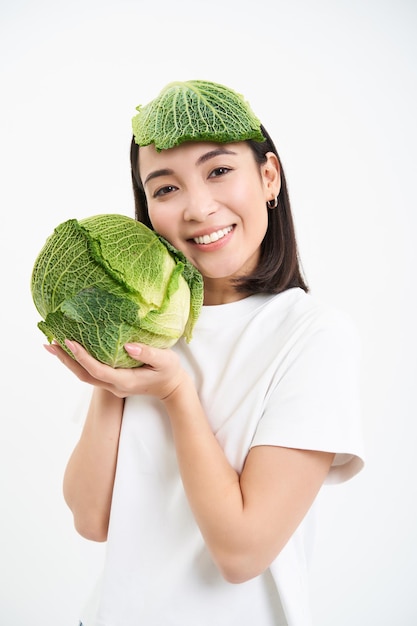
(195, 110)
(107, 280)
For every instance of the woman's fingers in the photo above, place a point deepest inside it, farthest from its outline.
(158, 375)
(120, 382)
(98, 370)
(153, 358)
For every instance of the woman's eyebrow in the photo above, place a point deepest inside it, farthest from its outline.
(213, 153)
(156, 173)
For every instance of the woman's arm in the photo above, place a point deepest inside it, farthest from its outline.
(245, 519)
(90, 472)
(89, 476)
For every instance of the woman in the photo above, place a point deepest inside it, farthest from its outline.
(201, 468)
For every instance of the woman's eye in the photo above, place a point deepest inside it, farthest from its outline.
(163, 191)
(219, 171)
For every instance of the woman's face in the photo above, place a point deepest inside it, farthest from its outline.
(209, 201)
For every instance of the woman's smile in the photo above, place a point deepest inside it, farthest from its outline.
(206, 240)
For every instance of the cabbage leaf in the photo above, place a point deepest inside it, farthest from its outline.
(195, 110)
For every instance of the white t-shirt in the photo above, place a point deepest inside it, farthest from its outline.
(270, 370)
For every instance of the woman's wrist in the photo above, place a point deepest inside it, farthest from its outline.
(181, 391)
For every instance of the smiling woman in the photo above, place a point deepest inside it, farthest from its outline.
(197, 190)
(278, 268)
(202, 467)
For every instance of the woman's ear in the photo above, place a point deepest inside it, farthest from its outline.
(271, 176)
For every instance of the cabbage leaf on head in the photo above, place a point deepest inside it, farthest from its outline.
(195, 110)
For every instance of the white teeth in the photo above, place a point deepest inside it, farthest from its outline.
(218, 234)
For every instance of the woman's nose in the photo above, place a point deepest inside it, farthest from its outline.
(199, 204)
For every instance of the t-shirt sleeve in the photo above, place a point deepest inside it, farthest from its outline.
(314, 401)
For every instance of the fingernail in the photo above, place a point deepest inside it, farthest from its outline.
(71, 345)
(133, 348)
(50, 349)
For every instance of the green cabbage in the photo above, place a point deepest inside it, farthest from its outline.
(107, 280)
(195, 110)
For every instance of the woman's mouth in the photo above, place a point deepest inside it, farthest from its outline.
(214, 236)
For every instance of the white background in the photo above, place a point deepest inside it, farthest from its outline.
(335, 84)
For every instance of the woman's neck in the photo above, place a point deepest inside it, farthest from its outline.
(220, 291)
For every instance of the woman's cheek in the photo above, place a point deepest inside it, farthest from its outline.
(164, 223)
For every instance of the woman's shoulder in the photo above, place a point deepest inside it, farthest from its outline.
(302, 315)
(298, 305)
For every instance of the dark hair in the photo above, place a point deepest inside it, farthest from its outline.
(279, 265)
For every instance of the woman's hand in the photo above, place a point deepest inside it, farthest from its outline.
(159, 376)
